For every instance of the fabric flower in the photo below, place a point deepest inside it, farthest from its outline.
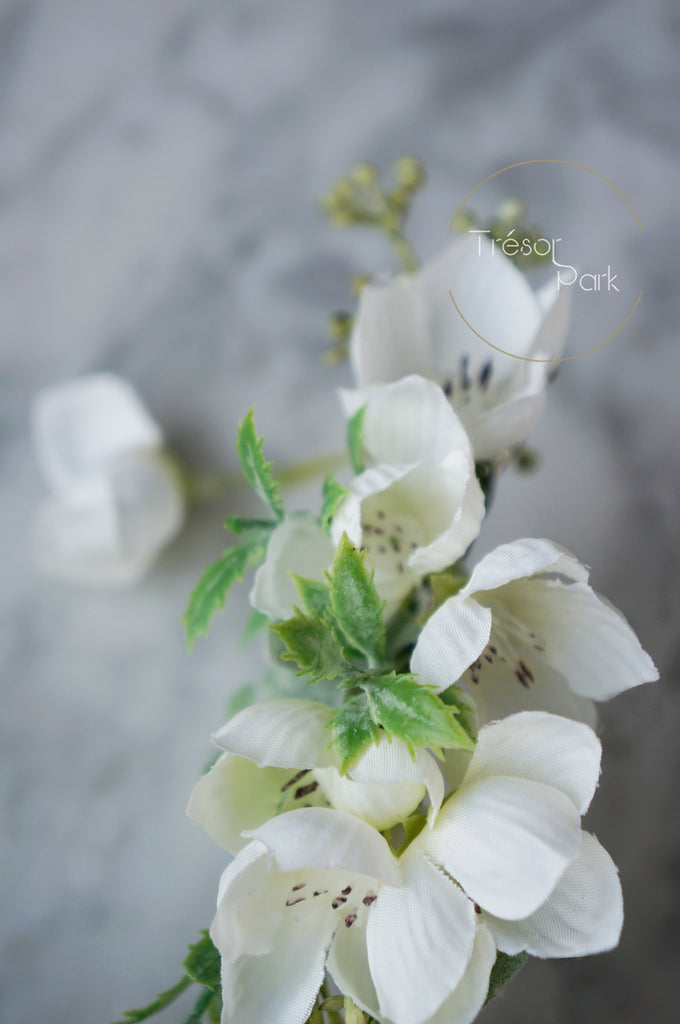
(417, 506)
(528, 632)
(413, 939)
(278, 758)
(298, 544)
(116, 499)
(410, 325)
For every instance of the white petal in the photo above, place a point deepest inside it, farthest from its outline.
(282, 733)
(498, 692)
(385, 785)
(587, 639)
(281, 986)
(491, 293)
(450, 640)
(470, 994)
(511, 561)
(322, 838)
(583, 915)
(349, 967)
(235, 795)
(551, 336)
(506, 841)
(297, 545)
(235, 929)
(390, 338)
(419, 939)
(79, 426)
(506, 424)
(406, 422)
(542, 747)
(448, 490)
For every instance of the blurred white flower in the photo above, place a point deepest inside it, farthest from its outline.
(278, 759)
(412, 940)
(116, 497)
(417, 506)
(410, 325)
(528, 632)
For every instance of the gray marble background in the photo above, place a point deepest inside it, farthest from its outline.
(159, 165)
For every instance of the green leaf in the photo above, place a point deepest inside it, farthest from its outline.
(333, 495)
(159, 1003)
(256, 623)
(200, 1007)
(501, 972)
(313, 644)
(456, 697)
(256, 469)
(356, 603)
(447, 583)
(315, 595)
(210, 593)
(244, 527)
(353, 730)
(413, 712)
(355, 427)
(202, 963)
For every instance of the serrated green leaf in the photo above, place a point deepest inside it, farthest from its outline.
(353, 730)
(415, 713)
(202, 962)
(333, 495)
(355, 429)
(313, 644)
(159, 1003)
(209, 595)
(242, 526)
(314, 594)
(356, 603)
(501, 972)
(256, 469)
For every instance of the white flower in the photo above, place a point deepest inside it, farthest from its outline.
(410, 325)
(278, 758)
(527, 631)
(116, 500)
(413, 940)
(299, 545)
(417, 506)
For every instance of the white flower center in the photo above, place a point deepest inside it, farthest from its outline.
(389, 535)
(511, 642)
(349, 898)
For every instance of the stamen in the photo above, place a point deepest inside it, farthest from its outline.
(296, 778)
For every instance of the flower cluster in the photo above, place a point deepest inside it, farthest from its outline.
(412, 828)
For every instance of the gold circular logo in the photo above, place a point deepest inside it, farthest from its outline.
(524, 163)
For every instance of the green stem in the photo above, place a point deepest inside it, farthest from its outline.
(403, 249)
(200, 1007)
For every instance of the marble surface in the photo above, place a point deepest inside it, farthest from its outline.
(159, 164)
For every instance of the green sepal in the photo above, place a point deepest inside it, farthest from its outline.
(355, 429)
(256, 469)
(313, 644)
(356, 604)
(353, 730)
(415, 713)
(446, 584)
(314, 594)
(202, 962)
(501, 972)
(466, 709)
(209, 594)
(333, 495)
